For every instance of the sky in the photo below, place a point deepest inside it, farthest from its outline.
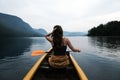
(72, 15)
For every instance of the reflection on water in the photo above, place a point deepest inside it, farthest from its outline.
(13, 46)
(10, 47)
(106, 46)
(109, 42)
(15, 56)
(99, 57)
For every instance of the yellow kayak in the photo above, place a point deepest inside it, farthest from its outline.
(42, 71)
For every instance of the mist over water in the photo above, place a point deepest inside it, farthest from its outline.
(99, 57)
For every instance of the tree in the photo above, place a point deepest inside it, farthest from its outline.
(110, 29)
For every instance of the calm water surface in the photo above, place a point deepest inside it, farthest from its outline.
(99, 56)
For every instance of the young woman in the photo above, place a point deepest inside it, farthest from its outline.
(59, 59)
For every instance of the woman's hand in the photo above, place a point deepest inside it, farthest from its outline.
(51, 32)
(78, 50)
(54, 30)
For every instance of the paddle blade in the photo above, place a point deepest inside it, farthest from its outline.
(37, 52)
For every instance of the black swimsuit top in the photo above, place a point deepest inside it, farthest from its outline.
(60, 51)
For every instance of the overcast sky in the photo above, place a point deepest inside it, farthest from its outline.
(72, 15)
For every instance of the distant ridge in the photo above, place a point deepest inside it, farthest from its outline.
(111, 28)
(13, 26)
(66, 33)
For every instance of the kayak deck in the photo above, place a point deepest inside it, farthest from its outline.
(45, 72)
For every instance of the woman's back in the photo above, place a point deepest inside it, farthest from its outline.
(62, 49)
(59, 59)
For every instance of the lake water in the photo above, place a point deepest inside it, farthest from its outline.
(99, 57)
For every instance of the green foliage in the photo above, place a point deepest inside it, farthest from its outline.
(110, 29)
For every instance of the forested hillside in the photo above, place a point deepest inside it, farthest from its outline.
(13, 26)
(110, 29)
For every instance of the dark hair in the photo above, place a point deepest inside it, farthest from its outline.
(57, 36)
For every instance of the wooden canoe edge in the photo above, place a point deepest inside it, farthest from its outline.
(80, 72)
(32, 71)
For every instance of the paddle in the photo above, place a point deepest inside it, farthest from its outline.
(38, 52)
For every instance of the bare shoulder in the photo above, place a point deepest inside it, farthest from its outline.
(66, 39)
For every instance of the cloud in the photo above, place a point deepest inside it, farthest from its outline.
(77, 15)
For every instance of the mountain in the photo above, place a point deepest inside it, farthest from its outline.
(41, 31)
(13, 26)
(111, 28)
(66, 33)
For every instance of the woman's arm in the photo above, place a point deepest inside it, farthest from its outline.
(48, 37)
(71, 46)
